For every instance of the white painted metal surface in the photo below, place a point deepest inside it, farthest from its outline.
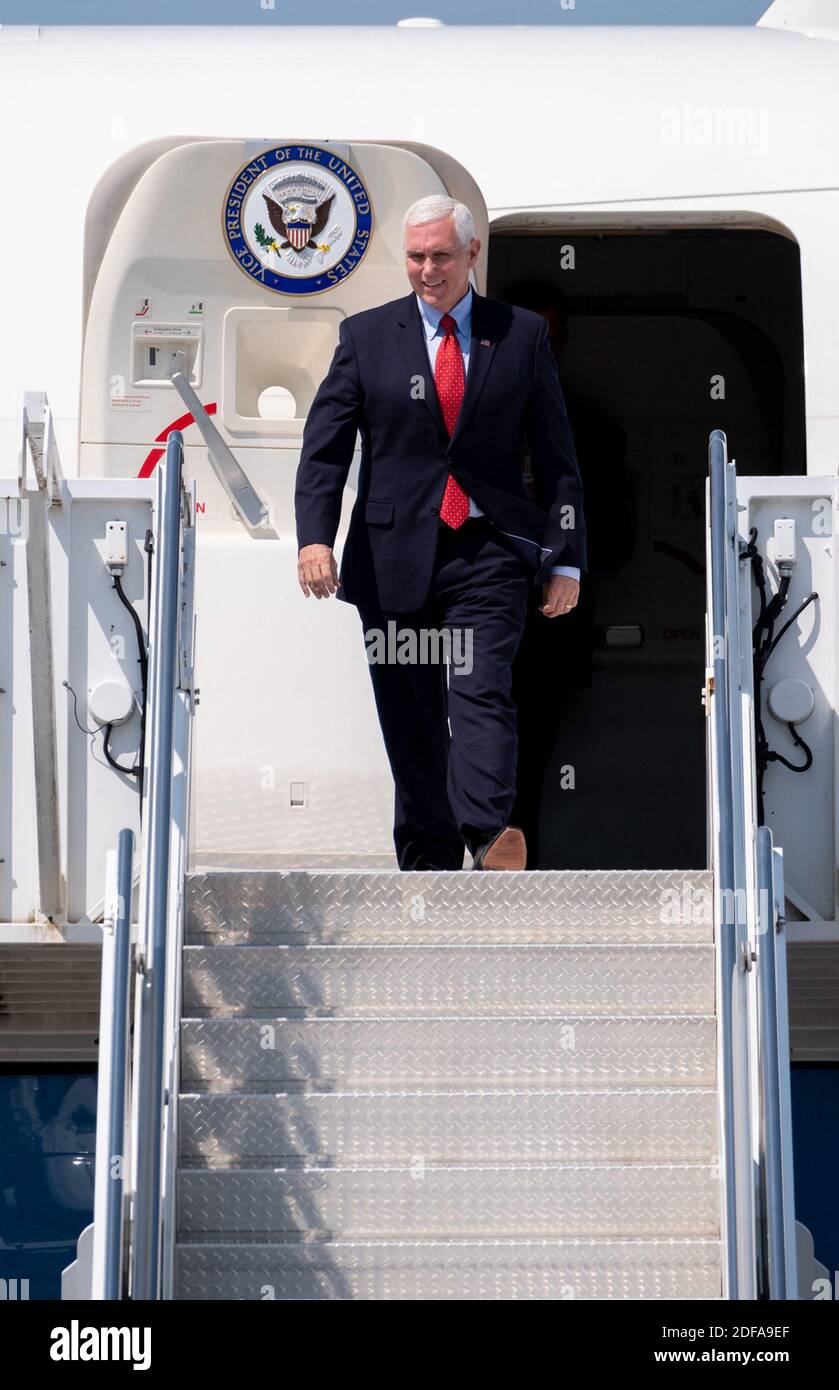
(728, 122)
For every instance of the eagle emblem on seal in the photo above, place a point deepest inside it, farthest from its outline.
(299, 210)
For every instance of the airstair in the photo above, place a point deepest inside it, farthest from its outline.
(351, 1084)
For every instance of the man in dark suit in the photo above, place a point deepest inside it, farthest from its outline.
(442, 385)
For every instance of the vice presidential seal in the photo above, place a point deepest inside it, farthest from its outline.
(297, 219)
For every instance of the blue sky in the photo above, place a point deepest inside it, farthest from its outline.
(380, 11)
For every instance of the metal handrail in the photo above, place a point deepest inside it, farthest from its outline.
(181, 796)
(758, 1211)
(112, 1089)
(787, 1185)
(151, 1014)
(248, 504)
(136, 1123)
(738, 1228)
(780, 1279)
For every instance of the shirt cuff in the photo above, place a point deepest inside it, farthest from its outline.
(571, 570)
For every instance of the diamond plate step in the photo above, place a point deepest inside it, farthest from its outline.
(215, 1131)
(422, 1200)
(449, 1270)
(445, 1086)
(585, 905)
(280, 1054)
(360, 981)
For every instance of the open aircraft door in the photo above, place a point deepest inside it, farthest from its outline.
(233, 262)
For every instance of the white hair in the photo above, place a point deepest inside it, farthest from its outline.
(437, 205)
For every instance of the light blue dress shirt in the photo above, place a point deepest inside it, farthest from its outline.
(462, 315)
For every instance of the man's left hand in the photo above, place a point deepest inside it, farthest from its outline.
(559, 595)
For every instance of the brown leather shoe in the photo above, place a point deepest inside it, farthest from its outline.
(506, 850)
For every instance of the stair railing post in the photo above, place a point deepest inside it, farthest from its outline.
(163, 674)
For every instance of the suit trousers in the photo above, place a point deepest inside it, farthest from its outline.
(449, 725)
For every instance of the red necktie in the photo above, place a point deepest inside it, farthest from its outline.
(449, 378)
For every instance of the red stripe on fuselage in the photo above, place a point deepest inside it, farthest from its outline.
(148, 464)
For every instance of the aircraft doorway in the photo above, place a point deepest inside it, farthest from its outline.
(661, 336)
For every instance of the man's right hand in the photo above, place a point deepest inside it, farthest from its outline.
(317, 571)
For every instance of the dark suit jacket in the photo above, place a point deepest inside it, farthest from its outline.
(380, 382)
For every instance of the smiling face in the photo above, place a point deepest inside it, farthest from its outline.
(438, 266)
